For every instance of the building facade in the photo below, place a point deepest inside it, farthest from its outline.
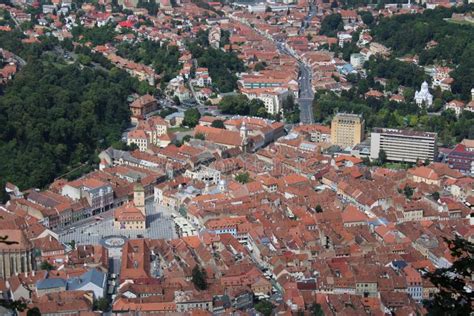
(18, 257)
(462, 157)
(347, 130)
(403, 145)
(132, 215)
(424, 97)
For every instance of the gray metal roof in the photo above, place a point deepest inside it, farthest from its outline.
(92, 276)
(50, 284)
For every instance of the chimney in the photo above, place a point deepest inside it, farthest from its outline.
(33, 273)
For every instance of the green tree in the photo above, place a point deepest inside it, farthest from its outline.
(453, 297)
(290, 109)
(243, 177)
(95, 35)
(101, 304)
(163, 58)
(435, 196)
(200, 136)
(409, 93)
(176, 100)
(260, 66)
(410, 34)
(73, 244)
(223, 66)
(265, 307)
(437, 105)
(34, 311)
(151, 6)
(191, 117)
(84, 59)
(240, 104)
(218, 124)
(408, 191)
(45, 265)
(199, 278)
(366, 17)
(316, 310)
(331, 24)
(186, 138)
(54, 119)
(318, 209)
(382, 157)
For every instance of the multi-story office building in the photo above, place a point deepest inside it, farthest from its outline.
(347, 130)
(403, 145)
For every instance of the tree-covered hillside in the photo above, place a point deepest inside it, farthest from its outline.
(53, 117)
(453, 43)
(164, 58)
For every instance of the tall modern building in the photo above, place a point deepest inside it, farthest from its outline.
(347, 130)
(403, 145)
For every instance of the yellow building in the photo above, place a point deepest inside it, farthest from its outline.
(347, 130)
(132, 215)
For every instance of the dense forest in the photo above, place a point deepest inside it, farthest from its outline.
(54, 116)
(241, 105)
(95, 35)
(453, 42)
(331, 24)
(164, 58)
(222, 66)
(396, 72)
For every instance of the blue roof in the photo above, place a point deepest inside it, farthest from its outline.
(399, 264)
(92, 276)
(379, 221)
(50, 284)
(348, 67)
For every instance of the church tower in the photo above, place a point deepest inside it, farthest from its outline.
(244, 133)
(139, 196)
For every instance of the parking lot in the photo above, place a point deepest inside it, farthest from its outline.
(158, 227)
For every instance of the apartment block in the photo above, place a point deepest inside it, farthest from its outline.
(403, 145)
(347, 130)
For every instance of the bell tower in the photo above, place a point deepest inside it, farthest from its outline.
(139, 196)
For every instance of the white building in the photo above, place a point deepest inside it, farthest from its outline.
(205, 174)
(138, 137)
(424, 97)
(457, 106)
(403, 145)
(214, 36)
(358, 60)
(271, 98)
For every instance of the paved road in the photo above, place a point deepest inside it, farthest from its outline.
(306, 95)
(311, 13)
(92, 231)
